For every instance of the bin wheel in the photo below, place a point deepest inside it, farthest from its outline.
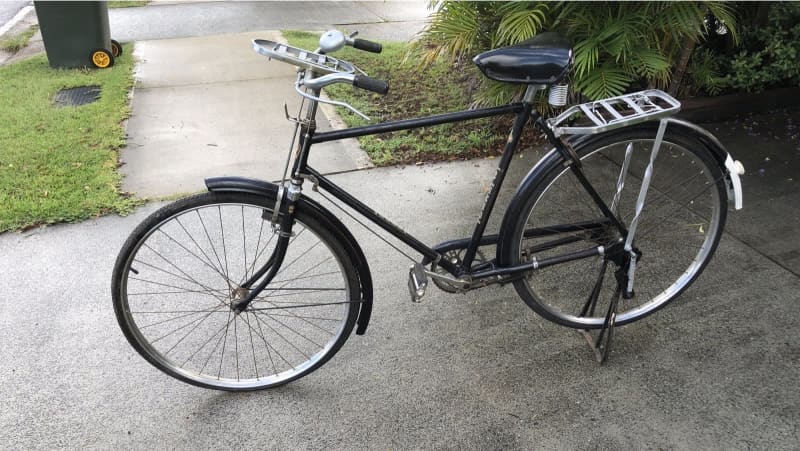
(116, 48)
(102, 58)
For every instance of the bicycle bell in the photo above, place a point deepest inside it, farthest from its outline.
(331, 41)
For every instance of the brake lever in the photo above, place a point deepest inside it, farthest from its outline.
(329, 101)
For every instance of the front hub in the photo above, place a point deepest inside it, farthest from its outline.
(238, 296)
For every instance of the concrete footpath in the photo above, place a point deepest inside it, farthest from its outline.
(716, 370)
(208, 106)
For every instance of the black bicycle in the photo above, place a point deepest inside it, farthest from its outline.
(252, 284)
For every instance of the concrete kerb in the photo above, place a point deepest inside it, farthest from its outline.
(22, 14)
(24, 19)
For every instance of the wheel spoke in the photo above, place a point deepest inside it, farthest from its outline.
(252, 344)
(258, 309)
(158, 323)
(211, 354)
(200, 248)
(183, 290)
(181, 328)
(661, 221)
(187, 333)
(265, 315)
(213, 248)
(194, 255)
(186, 279)
(260, 321)
(224, 248)
(244, 244)
(256, 253)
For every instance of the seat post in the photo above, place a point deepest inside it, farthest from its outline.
(530, 93)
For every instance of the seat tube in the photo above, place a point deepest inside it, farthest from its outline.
(505, 161)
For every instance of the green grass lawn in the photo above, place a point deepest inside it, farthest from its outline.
(440, 88)
(60, 164)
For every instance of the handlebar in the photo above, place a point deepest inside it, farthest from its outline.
(333, 40)
(318, 69)
(368, 46)
(357, 80)
(371, 84)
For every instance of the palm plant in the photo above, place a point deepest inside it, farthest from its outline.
(618, 45)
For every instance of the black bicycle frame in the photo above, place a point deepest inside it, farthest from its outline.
(523, 111)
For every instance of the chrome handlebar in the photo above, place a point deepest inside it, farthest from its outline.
(319, 69)
(325, 80)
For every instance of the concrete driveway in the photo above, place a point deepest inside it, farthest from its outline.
(717, 370)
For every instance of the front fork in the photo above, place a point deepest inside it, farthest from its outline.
(282, 223)
(282, 217)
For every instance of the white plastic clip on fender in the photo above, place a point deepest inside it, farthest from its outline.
(735, 169)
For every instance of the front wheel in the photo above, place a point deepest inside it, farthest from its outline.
(678, 231)
(179, 275)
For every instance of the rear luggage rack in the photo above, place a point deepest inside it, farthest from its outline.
(615, 112)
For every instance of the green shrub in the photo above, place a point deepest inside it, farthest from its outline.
(618, 45)
(769, 54)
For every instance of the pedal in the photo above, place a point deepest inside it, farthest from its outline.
(417, 282)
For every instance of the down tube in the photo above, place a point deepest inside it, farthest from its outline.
(376, 218)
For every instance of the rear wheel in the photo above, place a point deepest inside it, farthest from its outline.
(678, 231)
(180, 273)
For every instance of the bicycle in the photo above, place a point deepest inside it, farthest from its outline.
(252, 284)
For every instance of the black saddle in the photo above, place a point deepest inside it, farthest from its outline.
(541, 60)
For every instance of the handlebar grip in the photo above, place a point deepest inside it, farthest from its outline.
(369, 46)
(371, 84)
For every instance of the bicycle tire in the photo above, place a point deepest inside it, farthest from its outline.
(678, 232)
(179, 272)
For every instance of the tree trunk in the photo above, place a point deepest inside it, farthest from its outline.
(683, 64)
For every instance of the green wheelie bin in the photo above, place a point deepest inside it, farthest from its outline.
(76, 33)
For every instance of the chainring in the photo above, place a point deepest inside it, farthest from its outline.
(454, 256)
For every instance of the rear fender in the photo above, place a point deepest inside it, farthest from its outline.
(270, 190)
(732, 169)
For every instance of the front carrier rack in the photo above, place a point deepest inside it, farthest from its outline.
(615, 112)
(318, 63)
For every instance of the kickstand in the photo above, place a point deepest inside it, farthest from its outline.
(602, 343)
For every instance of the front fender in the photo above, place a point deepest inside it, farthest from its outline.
(247, 185)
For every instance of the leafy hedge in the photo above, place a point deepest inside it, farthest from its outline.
(768, 55)
(618, 45)
(687, 48)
